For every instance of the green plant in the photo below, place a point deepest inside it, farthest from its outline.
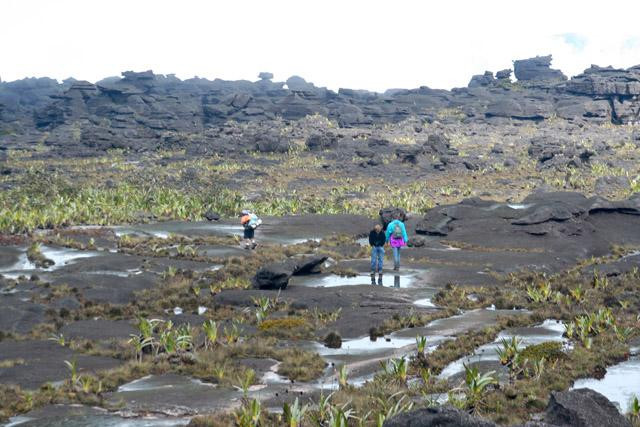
(634, 409)
(391, 406)
(339, 417)
(139, 343)
(294, 414)
(600, 281)
(86, 382)
(421, 344)
(343, 376)
(73, 369)
(246, 381)
(577, 293)
(569, 329)
(59, 338)
(249, 414)
(397, 368)
(475, 386)
(322, 410)
(623, 334)
(210, 328)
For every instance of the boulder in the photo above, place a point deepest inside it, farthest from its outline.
(277, 275)
(211, 215)
(273, 276)
(538, 68)
(553, 212)
(409, 153)
(317, 142)
(442, 416)
(270, 143)
(609, 185)
(479, 80)
(504, 74)
(583, 407)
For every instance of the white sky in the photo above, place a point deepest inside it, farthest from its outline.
(360, 44)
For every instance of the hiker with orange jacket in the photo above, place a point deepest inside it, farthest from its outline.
(250, 222)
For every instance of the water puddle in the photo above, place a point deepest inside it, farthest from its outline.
(60, 257)
(425, 303)
(486, 355)
(394, 279)
(620, 384)
(164, 230)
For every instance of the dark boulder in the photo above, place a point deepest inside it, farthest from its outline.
(319, 142)
(270, 143)
(273, 276)
(479, 80)
(434, 223)
(438, 143)
(277, 275)
(211, 215)
(389, 214)
(545, 213)
(504, 74)
(538, 68)
(442, 416)
(583, 407)
(409, 153)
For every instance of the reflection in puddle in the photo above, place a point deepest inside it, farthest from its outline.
(401, 280)
(620, 384)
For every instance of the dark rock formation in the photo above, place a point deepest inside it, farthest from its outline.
(485, 79)
(583, 408)
(561, 221)
(436, 417)
(143, 111)
(538, 68)
(277, 275)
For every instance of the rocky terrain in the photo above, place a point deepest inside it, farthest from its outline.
(143, 111)
(126, 299)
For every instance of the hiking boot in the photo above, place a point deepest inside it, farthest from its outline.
(373, 278)
(380, 279)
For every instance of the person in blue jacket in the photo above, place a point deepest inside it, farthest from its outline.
(396, 234)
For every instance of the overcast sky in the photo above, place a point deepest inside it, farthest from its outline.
(362, 44)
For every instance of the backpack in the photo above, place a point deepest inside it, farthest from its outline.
(397, 232)
(254, 222)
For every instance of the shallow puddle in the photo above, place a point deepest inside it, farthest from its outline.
(486, 355)
(392, 279)
(60, 257)
(163, 230)
(620, 384)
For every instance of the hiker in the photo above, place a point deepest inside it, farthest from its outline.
(250, 222)
(377, 240)
(397, 237)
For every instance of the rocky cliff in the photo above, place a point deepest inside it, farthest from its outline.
(143, 109)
